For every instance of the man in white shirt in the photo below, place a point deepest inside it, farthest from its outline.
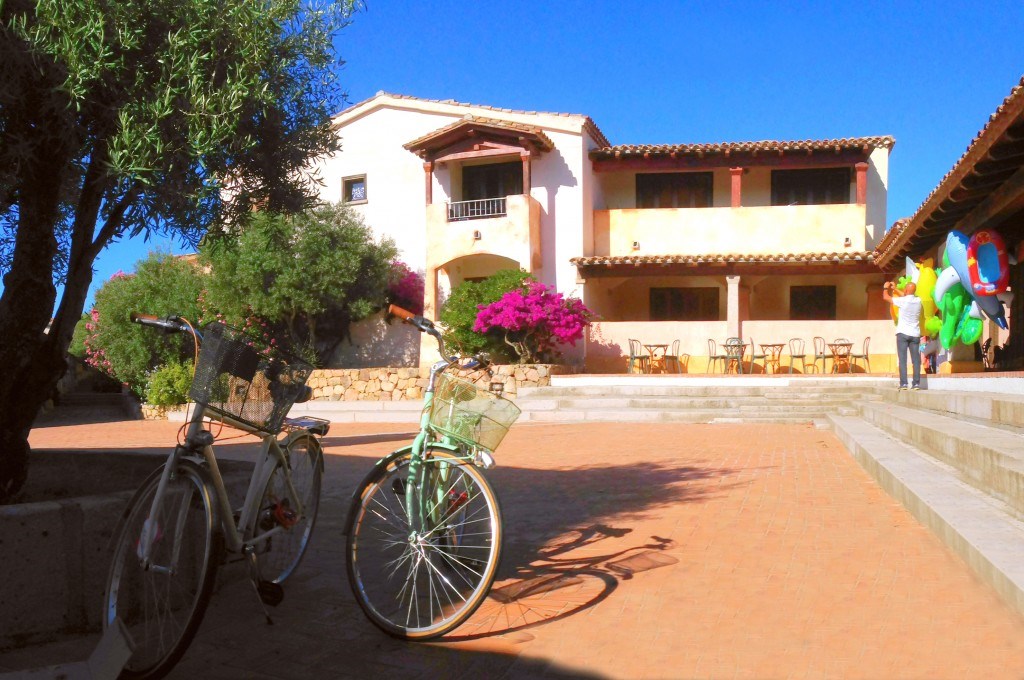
(908, 329)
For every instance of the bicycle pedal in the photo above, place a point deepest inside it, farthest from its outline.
(270, 593)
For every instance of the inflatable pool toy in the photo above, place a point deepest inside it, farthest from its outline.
(956, 255)
(987, 263)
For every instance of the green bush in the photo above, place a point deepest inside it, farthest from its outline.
(462, 307)
(162, 284)
(169, 384)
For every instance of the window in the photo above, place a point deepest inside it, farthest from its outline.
(496, 180)
(353, 189)
(817, 186)
(812, 303)
(684, 304)
(674, 190)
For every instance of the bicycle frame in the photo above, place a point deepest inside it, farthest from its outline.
(236, 540)
(421, 514)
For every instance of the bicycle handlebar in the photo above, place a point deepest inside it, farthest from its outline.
(168, 324)
(425, 325)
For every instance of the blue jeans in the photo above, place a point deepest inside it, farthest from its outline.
(911, 343)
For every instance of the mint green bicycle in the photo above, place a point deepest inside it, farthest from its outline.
(424, 528)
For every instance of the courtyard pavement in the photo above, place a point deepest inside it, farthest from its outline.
(632, 551)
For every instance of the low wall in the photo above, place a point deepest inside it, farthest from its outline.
(57, 552)
(408, 384)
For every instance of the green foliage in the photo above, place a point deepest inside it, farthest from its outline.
(309, 275)
(460, 311)
(162, 284)
(77, 347)
(169, 384)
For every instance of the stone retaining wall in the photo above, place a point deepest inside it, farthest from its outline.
(402, 384)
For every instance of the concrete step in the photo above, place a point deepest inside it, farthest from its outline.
(670, 391)
(1005, 410)
(680, 416)
(682, 403)
(991, 459)
(982, 530)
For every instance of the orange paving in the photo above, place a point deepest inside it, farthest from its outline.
(632, 551)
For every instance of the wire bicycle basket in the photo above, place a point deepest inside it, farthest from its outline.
(469, 414)
(237, 381)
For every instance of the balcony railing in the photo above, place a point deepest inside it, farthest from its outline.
(475, 210)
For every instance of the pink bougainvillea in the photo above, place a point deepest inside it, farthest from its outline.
(535, 320)
(405, 288)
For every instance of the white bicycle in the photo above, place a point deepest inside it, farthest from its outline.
(180, 525)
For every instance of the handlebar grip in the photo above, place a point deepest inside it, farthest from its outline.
(403, 314)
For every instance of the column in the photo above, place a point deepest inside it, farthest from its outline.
(732, 306)
(428, 169)
(525, 156)
(862, 183)
(737, 186)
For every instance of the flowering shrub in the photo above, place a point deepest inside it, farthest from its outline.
(169, 384)
(405, 288)
(535, 319)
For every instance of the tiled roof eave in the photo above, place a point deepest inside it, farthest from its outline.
(864, 144)
(729, 258)
(905, 231)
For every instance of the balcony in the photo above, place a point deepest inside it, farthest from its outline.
(507, 226)
(475, 210)
(751, 231)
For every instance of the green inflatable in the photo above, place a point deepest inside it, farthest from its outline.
(960, 321)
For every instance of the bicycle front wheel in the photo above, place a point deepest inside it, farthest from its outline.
(162, 604)
(280, 554)
(418, 583)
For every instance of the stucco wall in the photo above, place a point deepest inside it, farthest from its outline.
(699, 231)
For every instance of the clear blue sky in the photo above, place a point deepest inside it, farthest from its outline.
(927, 73)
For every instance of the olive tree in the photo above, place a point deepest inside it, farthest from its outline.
(128, 118)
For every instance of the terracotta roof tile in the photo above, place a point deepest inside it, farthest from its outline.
(846, 143)
(725, 258)
(898, 238)
(588, 124)
(1017, 91)
(469, 120)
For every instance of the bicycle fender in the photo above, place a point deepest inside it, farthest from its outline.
(380, 465)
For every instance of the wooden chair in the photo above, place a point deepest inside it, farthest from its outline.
(797, 350)
(754, 355)
(863, 356)
(714, 356)
(639, 361)
(672, 364)
(821, 353)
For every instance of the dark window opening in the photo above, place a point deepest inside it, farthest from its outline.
(674, 190)
(684, 304)
(496, 180)
(353, 189)
(817, 186)
(812, 303)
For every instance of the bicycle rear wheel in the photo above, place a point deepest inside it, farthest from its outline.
(421, 584)
(279, 555)
(162, 606)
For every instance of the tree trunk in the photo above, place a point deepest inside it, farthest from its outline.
(32, 362)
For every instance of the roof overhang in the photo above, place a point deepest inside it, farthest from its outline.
(475, 137)
(807, 153)
(858, 262)
(985, 188)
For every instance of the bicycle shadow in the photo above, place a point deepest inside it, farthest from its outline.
(559, 584)
(564, 551)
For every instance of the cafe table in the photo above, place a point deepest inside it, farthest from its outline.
(772, 353)
(656, 359)
(840, 354)
(734, 352)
